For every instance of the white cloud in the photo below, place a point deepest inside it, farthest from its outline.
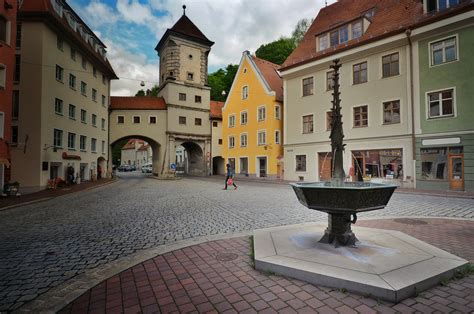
(234, 26)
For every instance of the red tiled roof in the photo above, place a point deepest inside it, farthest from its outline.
(270, 74)
(184, 27)
(216, 109)
(391, 17)
(43, 9)
(137, 103)
(144, 147)
(131, 144)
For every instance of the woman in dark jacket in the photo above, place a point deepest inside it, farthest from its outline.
(229, 175)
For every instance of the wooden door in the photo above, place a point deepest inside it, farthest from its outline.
(456, 172)
(325, 166)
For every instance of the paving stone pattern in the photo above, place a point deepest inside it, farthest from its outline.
(196, 280)
(45, 244)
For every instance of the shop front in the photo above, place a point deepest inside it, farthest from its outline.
(442, 167)
(379, 165)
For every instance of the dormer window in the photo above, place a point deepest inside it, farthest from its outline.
(439, 5)
(356, 29)
(341, 35)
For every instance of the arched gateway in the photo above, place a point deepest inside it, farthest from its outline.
(181, 115)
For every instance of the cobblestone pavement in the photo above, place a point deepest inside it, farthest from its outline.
(45, 244)
(217, 277)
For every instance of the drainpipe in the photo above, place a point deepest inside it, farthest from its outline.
(210, 148)
(412, 100)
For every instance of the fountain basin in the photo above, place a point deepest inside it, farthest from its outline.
(346, 198)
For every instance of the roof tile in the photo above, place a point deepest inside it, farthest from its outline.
(137, 103)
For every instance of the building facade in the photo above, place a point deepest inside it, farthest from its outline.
(253, 120)
(381, 82)
(218, 164)
(8, 43)
(445, 128)
(63, 85)
(136, 152)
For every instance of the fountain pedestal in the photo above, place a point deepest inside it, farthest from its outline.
(339, 231)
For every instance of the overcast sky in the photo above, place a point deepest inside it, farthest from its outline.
(132, 28)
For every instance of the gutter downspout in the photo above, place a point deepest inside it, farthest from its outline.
(412, 101)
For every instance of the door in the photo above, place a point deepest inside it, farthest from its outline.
(262, 166)
(325, 166)
(456, 172)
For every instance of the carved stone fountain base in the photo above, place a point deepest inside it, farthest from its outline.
(385, 264)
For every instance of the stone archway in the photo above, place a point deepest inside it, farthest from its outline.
(218, 165)
(194, 161)
(157, 156)
(101, 168)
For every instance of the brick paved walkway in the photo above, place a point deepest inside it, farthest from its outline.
(218, 277)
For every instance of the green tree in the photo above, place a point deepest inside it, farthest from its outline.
(276, 51)
(117, 151)
(221, 80)
(153, 92)
(300, 29)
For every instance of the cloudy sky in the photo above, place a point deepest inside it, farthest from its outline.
(132, 28)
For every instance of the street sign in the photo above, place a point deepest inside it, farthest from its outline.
(173, 166)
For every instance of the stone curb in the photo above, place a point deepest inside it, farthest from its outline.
(53, 197)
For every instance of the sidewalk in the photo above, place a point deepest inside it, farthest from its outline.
(218, 277)
(441, 193)
(13, 201)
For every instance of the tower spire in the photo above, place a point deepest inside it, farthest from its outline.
(184, 9)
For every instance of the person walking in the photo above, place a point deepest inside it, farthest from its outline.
(229, 179)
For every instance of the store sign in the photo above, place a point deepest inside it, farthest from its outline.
(441, 141)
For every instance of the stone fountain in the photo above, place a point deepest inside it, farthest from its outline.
(382, 263)
(338, 198)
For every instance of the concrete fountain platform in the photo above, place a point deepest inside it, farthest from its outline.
(386, 264)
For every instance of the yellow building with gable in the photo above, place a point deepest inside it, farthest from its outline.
(252, 120)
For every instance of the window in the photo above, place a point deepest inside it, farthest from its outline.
(391, 112)
(94, 71)
(59, 73)
(120, 119)
(243, 140)
(261, 113)
(60, 43)
(441, 104)
(3, 76)
(197, 99)
(356, 29)
(15, 135)
(102, 124)
(71, 140)
(439, 5)
(328, 121)
(329, 80)
(104, 80)
(215, 124)
(72, 112)
(245, 92)
(334, 36)
(300, 162)
(94, 120)
(84, 63)
(83, 116)
(16, 75)
(103, 147)
(182, 120)
(231, 142)
(308, 124)
(83, 88)
(443, 51)
(197, 121)
(361, 116)
(93, 145)
(308, 86)
(103, 100)
(434, 162)
(58, 138)
(277, 112)
(72, 81)
(262, 137)
(182, 96)
(277, 137)
(359, 73)
(82, 142)
(220, 141)
(390, 65)
(58, 106)
(244, 165)
(4, 29)
(18, 35)
(243, 117)
(152, 119)
(231, 121)
(343, 34)
(190, 76)
(73, 54)
(15, 105)
(136, 119)
(383, 163)
(323, 42)
(94, 95)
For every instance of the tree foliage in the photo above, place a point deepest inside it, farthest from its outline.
(117, 151)
(153, 92)
(276, 51)
(300, 29)
(221, 80)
